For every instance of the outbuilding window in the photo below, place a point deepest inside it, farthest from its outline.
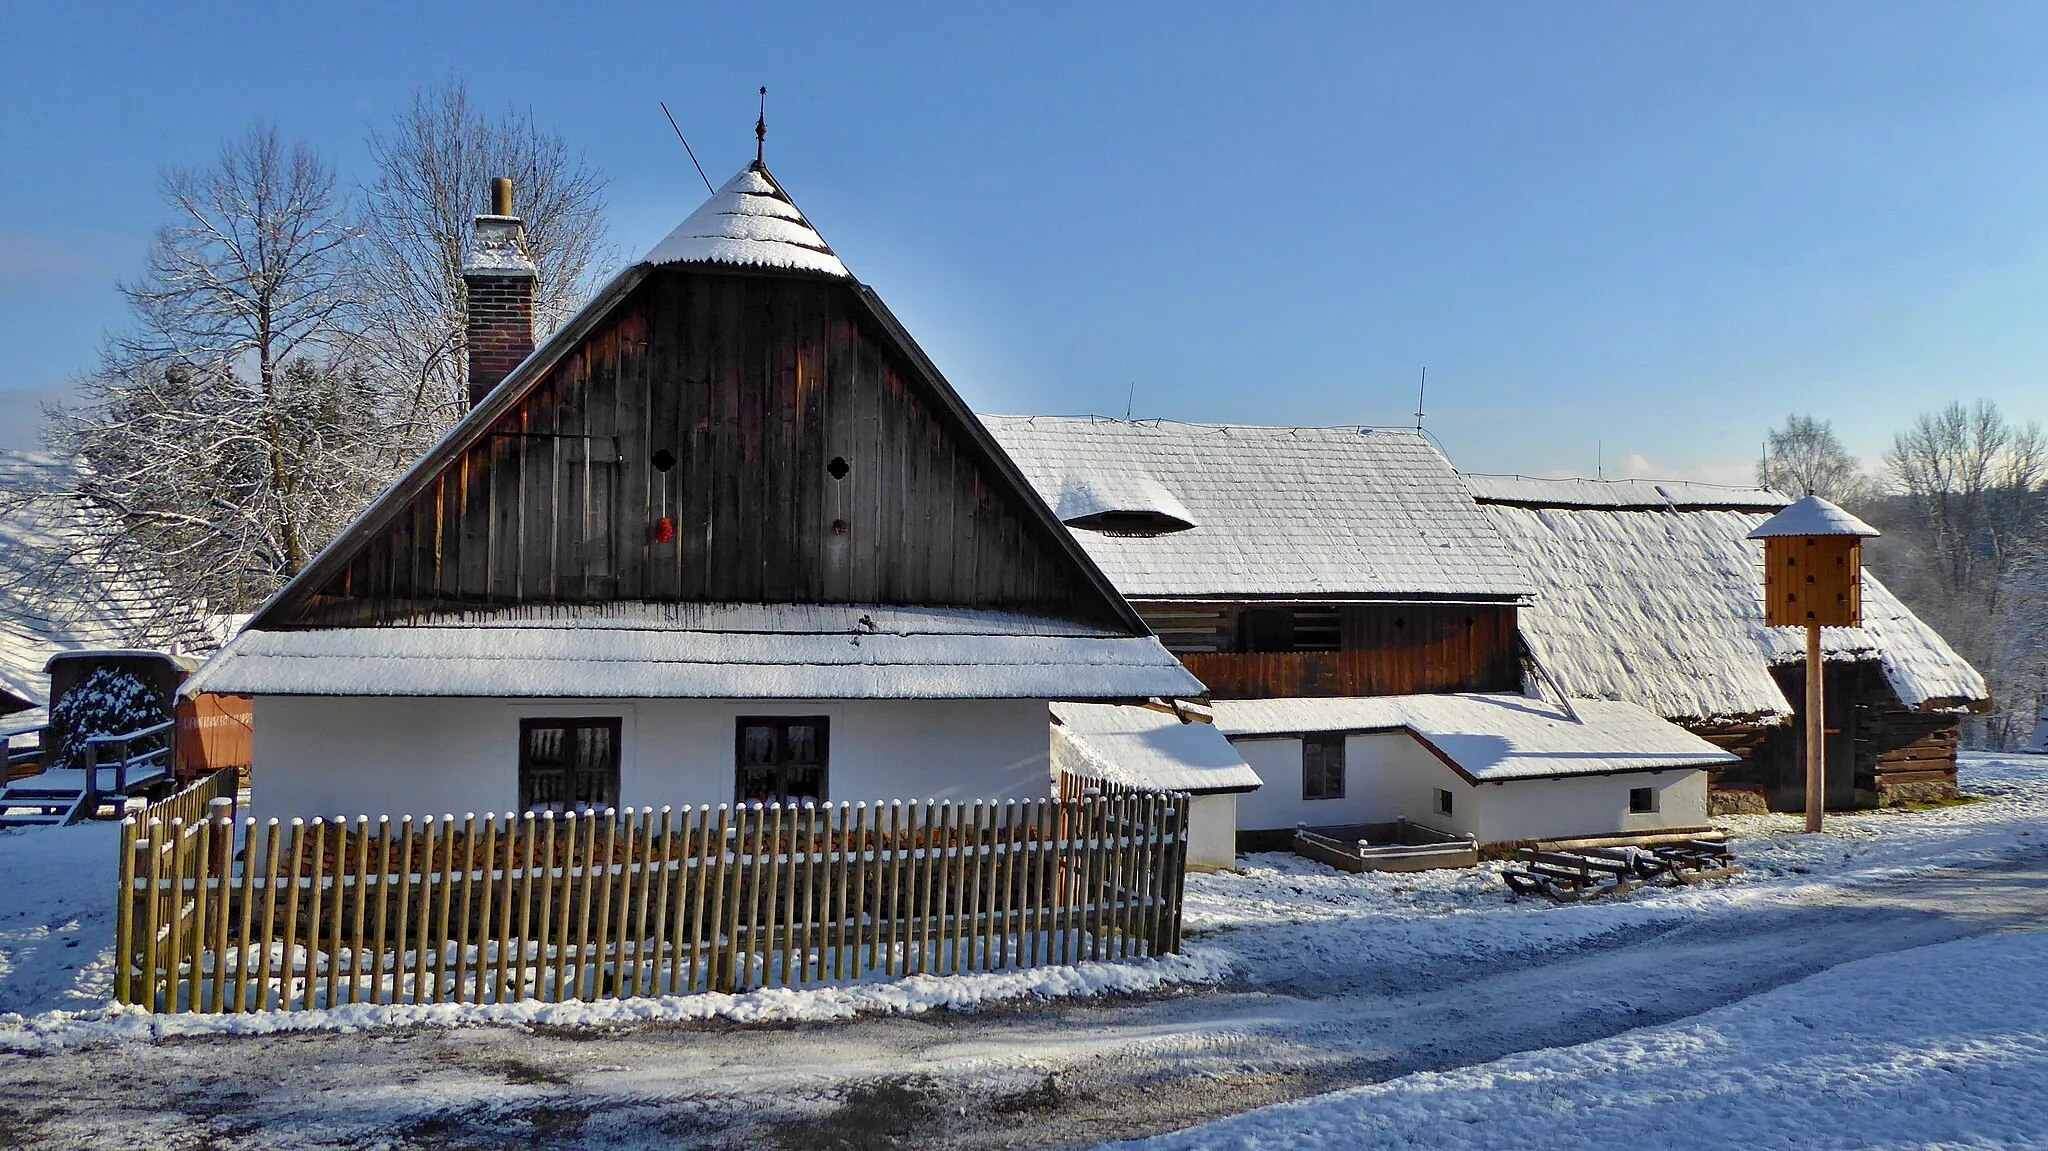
(1445, 802)
(1642, 800)
(781, 759)
(569, 764)
(1322, 767)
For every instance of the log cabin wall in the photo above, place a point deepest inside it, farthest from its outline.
(1880, 753)
(1340, 649)
(717, 438)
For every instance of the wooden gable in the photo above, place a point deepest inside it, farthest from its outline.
(712, 436)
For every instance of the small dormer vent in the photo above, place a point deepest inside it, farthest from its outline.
(1122, 503)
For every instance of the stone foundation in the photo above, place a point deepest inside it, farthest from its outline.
(1924, 791)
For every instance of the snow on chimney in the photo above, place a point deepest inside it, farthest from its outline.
(499, 277)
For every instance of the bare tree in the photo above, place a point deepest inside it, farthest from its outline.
(1804, 455)
(1970, 480)
(434, 164)
(1964, 534)
(227, 435)
(2019, 669)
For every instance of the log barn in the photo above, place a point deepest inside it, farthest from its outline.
(727, 535)
(1649, 592)
(1356, 618)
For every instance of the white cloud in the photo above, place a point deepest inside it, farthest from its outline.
(1637, 466)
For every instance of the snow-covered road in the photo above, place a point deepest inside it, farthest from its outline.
(1843, 1059)
(1342, 981)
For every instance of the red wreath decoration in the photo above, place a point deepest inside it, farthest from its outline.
(664, 530)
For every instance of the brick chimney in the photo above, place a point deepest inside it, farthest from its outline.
(499, 277)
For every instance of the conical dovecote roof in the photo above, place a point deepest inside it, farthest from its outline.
(750, 222)
(1813, 516)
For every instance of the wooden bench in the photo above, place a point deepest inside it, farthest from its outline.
(1591, 872)
(1569, 877)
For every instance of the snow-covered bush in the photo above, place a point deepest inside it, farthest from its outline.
(108, 702)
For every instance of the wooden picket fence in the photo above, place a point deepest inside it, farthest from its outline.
(223, 916)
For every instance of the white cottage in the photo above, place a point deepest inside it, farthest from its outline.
(727, 535)
(1358, 620)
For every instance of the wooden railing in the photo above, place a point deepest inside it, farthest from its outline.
(136, 758)
(23, 762)
(216, 916)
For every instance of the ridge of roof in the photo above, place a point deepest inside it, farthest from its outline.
(1619, 494)
(1161, 423)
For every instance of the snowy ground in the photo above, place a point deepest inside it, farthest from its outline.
(1403, 982)
(1810, 1065)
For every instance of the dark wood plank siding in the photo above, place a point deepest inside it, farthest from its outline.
(1384, 649)
(1880, 753)
(755, 384)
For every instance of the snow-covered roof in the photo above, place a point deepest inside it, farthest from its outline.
(23, 722)
(53, 598)
(1665, 609)
(1491, 737)
(1813, 516)
(705, 651)
(1336, 512)
(1145, 747)
(1684, 495)
(750, 222)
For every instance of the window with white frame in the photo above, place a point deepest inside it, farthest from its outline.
(1642, 800)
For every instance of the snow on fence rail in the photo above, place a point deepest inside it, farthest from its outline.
(610, 904)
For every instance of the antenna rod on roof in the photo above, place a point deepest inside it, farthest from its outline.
(1599, 459)
(761, 127)
(1419, 393)
(686, 146)
(1130, 400)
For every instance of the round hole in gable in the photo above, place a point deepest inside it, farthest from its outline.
(837, 468)
(664, 460)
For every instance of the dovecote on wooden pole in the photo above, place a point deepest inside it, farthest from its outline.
(1813, 578)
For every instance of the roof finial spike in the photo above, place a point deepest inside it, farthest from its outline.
(761, 127)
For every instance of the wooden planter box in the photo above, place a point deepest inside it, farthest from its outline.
(1396, 846)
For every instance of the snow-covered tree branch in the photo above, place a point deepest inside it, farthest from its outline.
(434, 164)
(234, 428)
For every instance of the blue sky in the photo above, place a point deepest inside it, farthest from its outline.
(1608, 229)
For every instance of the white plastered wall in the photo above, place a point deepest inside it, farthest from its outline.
(348, 755)
(1386, 775)
(1212, 832)
(1586, 805)
(1390, 775)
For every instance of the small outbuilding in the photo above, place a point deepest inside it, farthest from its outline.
(1159, 746)
(58, 600)
(1501, 768)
